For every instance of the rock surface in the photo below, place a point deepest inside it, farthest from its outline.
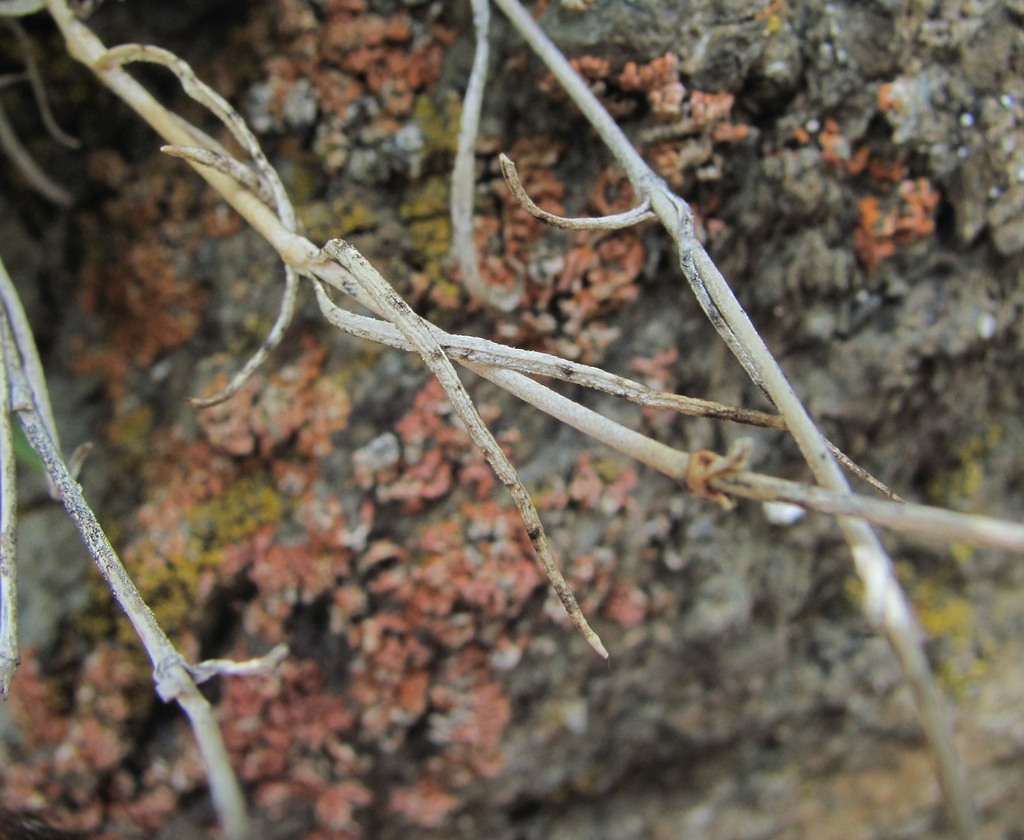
(858, 172)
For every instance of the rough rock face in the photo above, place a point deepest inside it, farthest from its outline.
(858, 173)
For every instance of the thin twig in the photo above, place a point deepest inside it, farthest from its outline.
(269, 183)
(9, 652)
(230, 166)
(42, 183)
(25, 343)
(35, 81)
(615, 221)
(463, 185)
(885, 604)
(173, 681)
(390, 304)
(18, 8)
(505, 365)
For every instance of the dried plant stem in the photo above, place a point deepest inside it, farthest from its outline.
(463, 186)
(387, 302)
(42, 183)
(497, 362)
(9, 652)
(21, 332)
(616, 221)
(35, 81)
(17, 8)
(173, 681)
(267, 181)
(884, 602)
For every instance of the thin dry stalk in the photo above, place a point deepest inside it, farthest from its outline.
(9, 652)
(389, 303)
(173, 680)
(493, 361)
(885, 603)
(463, 186)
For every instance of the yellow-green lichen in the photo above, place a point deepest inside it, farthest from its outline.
(948, 618)
(170, 584)
(425, 213)
(131, 431)
(238, 513)
(301, 182)
(960, 484)
(323, 220)
(438, 125)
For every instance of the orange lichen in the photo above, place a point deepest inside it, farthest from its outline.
(566, 298)
(351, 53)
(425, 804)
(591, 67)
(299, 401)
(659, 79)
(906, 217)
(887, 100)
(837, 151)
(145, 307)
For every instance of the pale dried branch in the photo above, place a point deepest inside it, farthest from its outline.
(230, 166)
(463, 186)
(25, 343)
(931, 522)
(18, 8)
(387, 302)
(615, 221)
(35, 81)
(261, 665)
(42, 183)
(267, 183)
(505, 367)
(172, 678)
(885, 603)
(9, 650)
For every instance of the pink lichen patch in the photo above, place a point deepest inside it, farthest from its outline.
(35, 705)
(471, 713)
(342, 56)
(567, 294)
(269, 410)
(285, 731)
(335, 807)
(627, 605)
(297, 574)
(590, 575)
(586, 486)
(434, 449)
(133, 282)
(425, 804)
(591, 67)
(659, 79)
(659, 371)
(419, 483)
(709, 110)
(146, 308)
(606, 487)
(73, 751)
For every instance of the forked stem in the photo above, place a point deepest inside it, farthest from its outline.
(884, 601)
